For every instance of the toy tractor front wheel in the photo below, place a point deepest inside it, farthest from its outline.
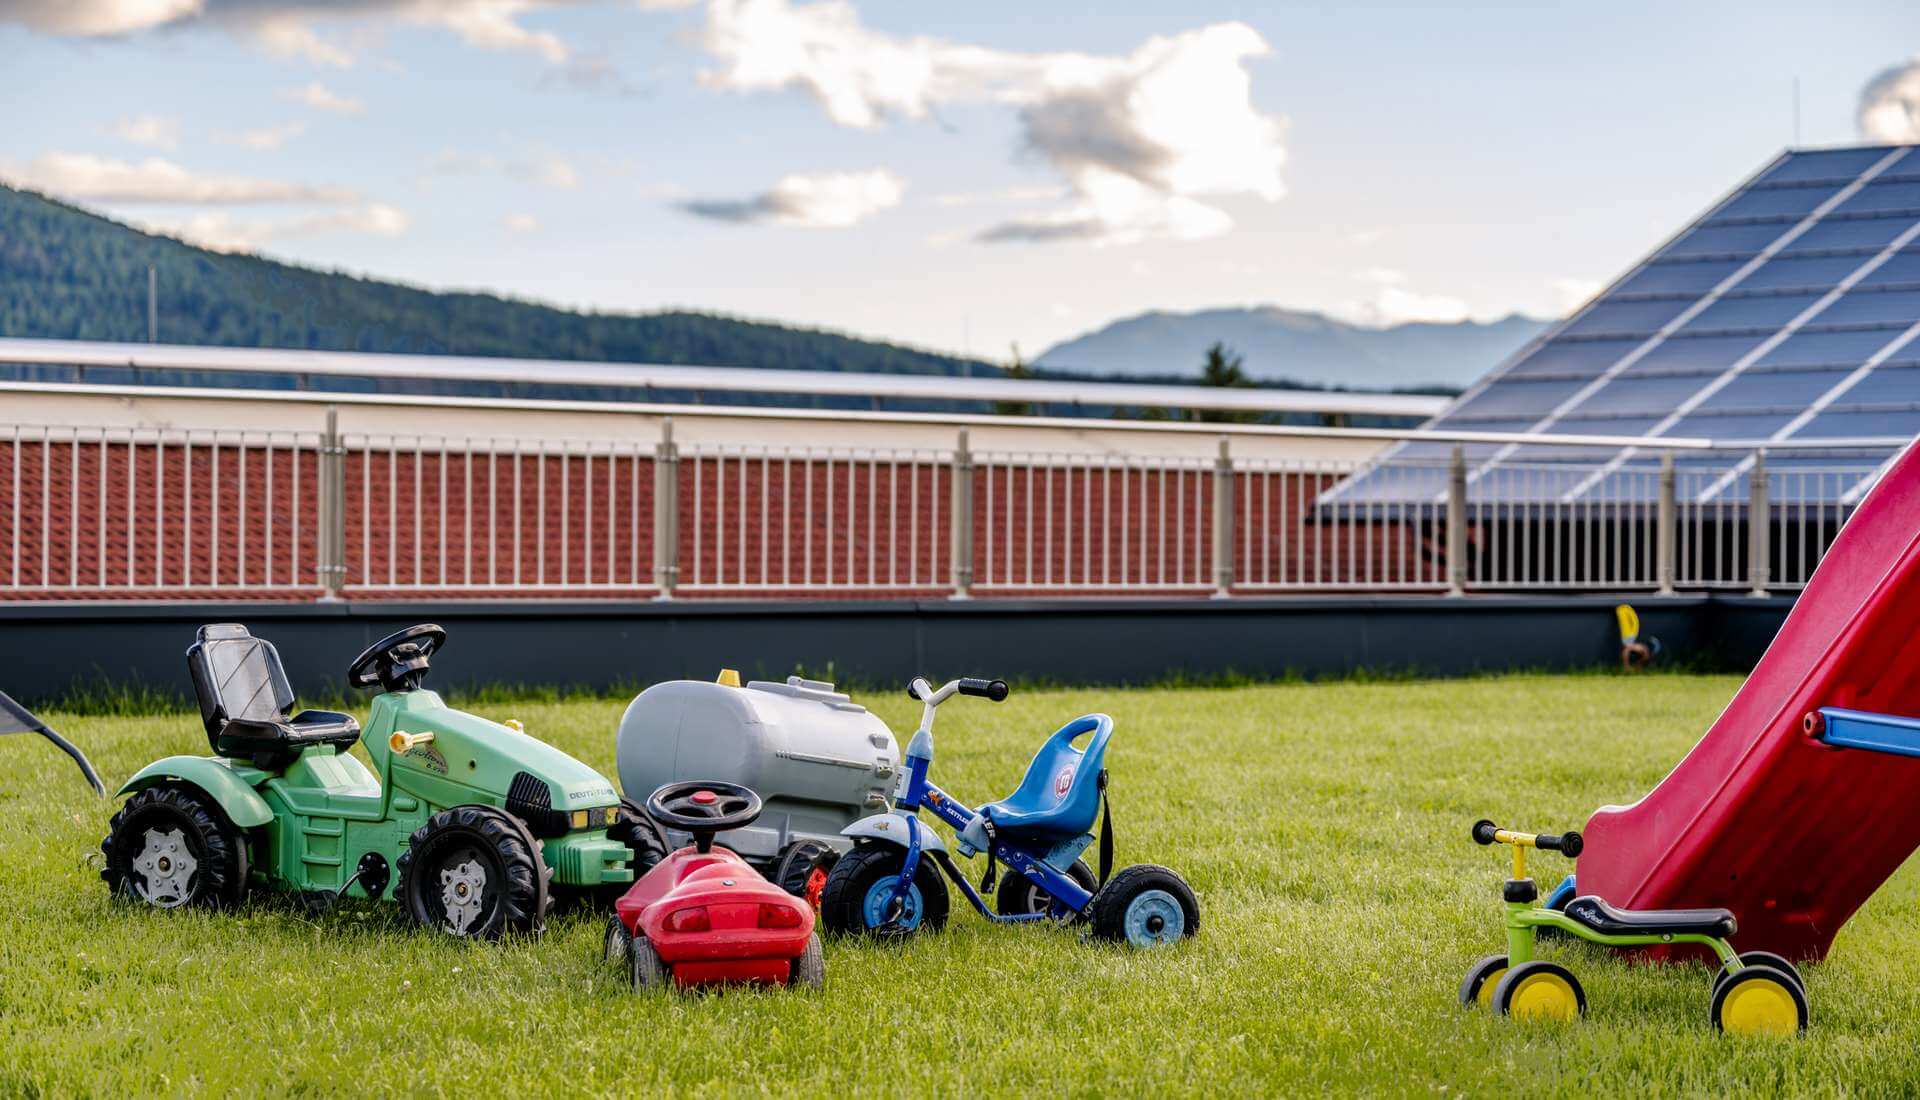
(474, 872)
(171, 847)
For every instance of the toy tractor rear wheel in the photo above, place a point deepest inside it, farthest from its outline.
(474, 872)
(810, 969)
(1145, 906)
(645, 967)
(859, 887)
(172, 846)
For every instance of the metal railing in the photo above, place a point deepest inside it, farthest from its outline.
(146, 512)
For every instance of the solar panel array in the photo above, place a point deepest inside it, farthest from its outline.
(1788, 311)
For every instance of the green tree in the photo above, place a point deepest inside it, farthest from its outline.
(1016, 368)
(1224, 369)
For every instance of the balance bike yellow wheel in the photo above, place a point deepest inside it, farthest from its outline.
(1540, 991)
(1477, 990)
(1759, 1000)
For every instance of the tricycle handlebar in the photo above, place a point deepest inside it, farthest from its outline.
(919, 688)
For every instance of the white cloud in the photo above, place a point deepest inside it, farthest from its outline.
(156, 180)
(1393, 303)
(521, 223)
(153, 131)
(288, 35)
(1138, 138)
(832, 200)
(222, 232)
(285, 27)
(322, 98)
(92, 18)
(1890, 105)
(266, 137)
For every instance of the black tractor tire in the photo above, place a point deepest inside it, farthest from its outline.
(179, 817)
(1129, 884)
(795, 868)
(511, 883)
(643, 837)
(842, 904)
(1020, 894)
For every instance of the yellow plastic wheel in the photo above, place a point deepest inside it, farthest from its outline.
(1759, 1000)
(1477, 990)
(1540, 991)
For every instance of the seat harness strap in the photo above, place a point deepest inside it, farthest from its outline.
(1106, 829)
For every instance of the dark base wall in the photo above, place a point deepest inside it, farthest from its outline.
(48, 650)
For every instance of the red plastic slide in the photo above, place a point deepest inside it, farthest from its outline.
(1791, 834)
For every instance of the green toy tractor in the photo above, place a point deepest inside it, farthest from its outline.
(469, 824)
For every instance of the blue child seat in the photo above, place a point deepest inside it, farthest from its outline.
(1060, 795)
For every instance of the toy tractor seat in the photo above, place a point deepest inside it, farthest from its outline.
(1597, 915)
(246, 702)
(1060, 795)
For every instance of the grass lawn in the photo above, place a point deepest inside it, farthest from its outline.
(1324, 828)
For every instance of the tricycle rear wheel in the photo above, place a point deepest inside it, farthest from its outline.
(1145, 906)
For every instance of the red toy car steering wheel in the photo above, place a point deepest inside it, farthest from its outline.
(703, 808)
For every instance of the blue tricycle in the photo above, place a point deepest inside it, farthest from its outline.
(890, 884)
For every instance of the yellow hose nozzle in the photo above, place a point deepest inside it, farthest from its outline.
(402, 741)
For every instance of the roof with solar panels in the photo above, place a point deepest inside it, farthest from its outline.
(1785, 318)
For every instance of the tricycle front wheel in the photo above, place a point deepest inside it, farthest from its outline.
(860, 886)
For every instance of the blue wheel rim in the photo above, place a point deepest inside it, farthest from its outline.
(873, 909)
(1154, 917)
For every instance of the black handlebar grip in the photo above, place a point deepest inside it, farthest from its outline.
(1483, 831)
(1567, 844)
(995, 690)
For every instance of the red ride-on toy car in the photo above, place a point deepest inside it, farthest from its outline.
(703, 916)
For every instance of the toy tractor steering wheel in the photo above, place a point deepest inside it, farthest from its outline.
(703, 808)
(398, 662)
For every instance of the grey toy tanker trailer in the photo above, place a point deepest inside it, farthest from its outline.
(819, 760)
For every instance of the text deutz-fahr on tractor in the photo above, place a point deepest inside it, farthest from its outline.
(468, 823)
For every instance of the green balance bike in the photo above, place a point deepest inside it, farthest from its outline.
(1755, 993)
(469, 824)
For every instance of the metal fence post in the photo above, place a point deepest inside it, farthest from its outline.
(961, 518)
(1457, 523)
(666, 511)
(1223, 521)
(1759, 525)
(331, 538)
(1665, 530)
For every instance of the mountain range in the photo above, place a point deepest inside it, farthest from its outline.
(67, 273)
(1298, 346)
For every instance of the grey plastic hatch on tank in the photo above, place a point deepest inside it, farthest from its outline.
(819, 760)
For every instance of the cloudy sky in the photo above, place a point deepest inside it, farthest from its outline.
(959, 176)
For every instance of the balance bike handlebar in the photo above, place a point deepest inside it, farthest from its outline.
(1567, 844)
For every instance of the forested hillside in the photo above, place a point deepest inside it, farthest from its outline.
(69, 274)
